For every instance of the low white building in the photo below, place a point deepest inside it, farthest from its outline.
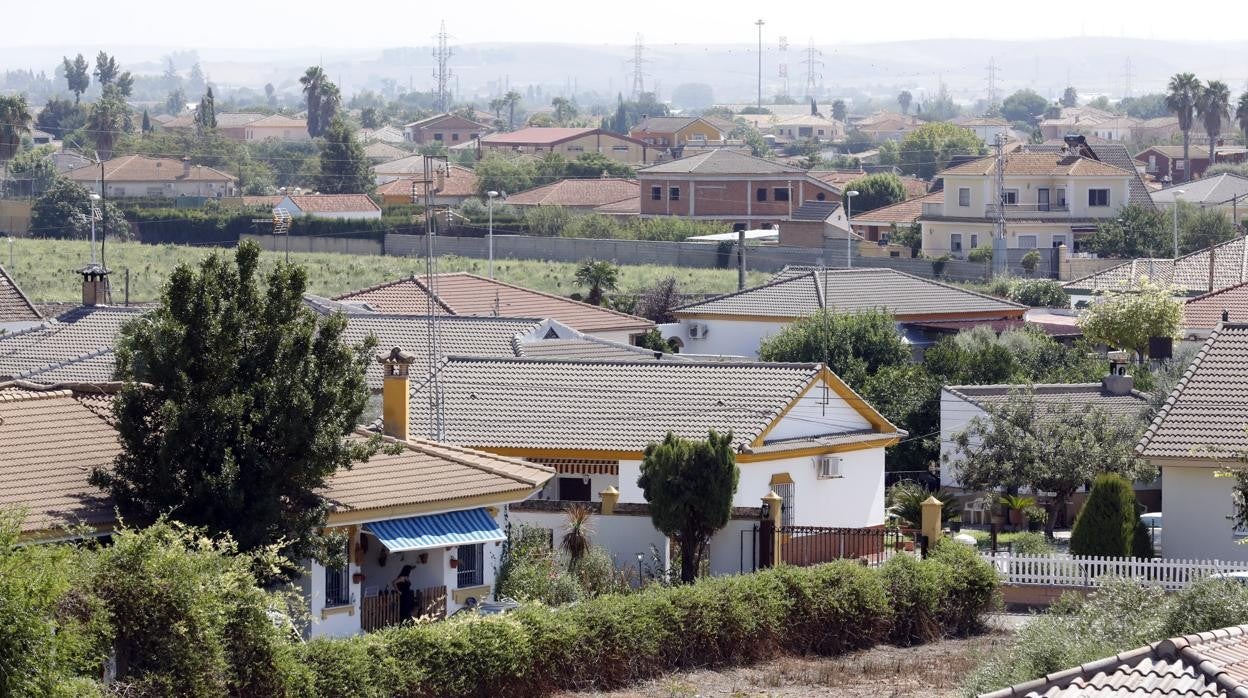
(339, 206)
(130, 176)
(1200, 434)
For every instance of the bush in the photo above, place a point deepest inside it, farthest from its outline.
(1038, 293)
(939, 264)
(1107, 523)
(980, 255)
(1208, 604)
(1030, 261)
(1031, 544)
(915, 592)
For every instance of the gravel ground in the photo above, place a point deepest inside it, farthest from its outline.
(929, 671)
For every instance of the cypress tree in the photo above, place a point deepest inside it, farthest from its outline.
(1107, 524)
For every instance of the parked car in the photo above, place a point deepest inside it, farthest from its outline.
(1152, 522)
(1241, 577)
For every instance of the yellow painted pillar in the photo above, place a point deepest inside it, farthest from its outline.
(931, 519)
(774, 505)
(610, 497)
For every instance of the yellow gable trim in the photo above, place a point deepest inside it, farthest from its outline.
(818, 450)
(842, 390)
(337, 519)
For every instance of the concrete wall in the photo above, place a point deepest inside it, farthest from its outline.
(1197, 508)
(15, 217)
(301, 243)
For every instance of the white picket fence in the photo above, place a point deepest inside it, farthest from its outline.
(1086, 571)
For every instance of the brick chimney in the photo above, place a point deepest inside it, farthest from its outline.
(95, 289)
(395, 410)
(1118, 382)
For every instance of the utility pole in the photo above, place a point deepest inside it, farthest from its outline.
(437, 426)
(814, 68)
(1000, 261)
(639, 73)
(441, 71)
(760, 24)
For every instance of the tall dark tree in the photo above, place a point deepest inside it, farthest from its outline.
(77, 76)
(237, 405)
(1241, 116)
(1214, 107)
(206, 115)
(270, 95)
(1107, 524)
(331, 101)
(106, 69)
(512, 100)
(690, 486)
(58, 116)
(839, 110)
(853, 345)
(1182, 95)
(15, 121)
(876, 190)
(1070, 98)
(197, 83)
(147, 122)
(125, 84)
(313, 81)
(175, 103)
(344, 167)
(904, 99)
(110, 117)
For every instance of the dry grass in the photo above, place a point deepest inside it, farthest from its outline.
(44, 270)
(934, 670)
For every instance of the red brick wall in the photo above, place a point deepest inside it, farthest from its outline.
(425, 135)
(728, 198)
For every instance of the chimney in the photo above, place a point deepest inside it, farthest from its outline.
(1118, 382)
(395, 416)
(1226, 315)
(94, 285)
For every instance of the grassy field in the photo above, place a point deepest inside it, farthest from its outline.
(44, 270)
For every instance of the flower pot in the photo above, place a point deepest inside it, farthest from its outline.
(955, 526)
(357, 578)
(454, 563)
(909, 546)
(1016, 517)
(899, 545)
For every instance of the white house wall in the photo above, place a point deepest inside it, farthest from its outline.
(622, 536)
(955, 416)
(819, 411)
(1197, 508)
(727, 337)
(338, 624)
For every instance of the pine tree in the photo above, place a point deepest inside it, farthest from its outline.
(147, 122)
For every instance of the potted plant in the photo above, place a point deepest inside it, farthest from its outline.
(1015, 505)
(1036, 516)
(955, 524)
(357, 578)
(454, 563)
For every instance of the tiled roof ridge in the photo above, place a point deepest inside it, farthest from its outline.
(1217, 292)
(20, 294)
(732, 294)
(439, 450)
(462, 358)
(1179, 387)
(1175, 261)
(535, 291)
(969, 392)
(387, 284)
(50, 390)
(716, 151)
(67, 362)
(933, 282)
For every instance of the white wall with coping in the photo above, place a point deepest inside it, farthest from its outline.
(725, 337)
(1197, 510)
(732, 550)
(623, 536)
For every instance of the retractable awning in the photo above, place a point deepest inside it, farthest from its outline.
(464, 527)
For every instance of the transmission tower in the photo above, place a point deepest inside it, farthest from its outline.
(784, 64)
(639, 72)
(992, 81)
(1127, 75)
(441, 71)
(814, 68)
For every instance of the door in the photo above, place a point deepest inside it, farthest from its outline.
(1042, 198)
(574, 489)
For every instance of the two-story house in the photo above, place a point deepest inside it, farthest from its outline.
(447, 129)
(675, 131)
(141, 175)
(571, 143)
(727, 185)
(1048, 200)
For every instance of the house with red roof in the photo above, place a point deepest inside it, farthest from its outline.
(580, 195)
(340, 206)
(571, 143)
(447, 129)
(141, 175)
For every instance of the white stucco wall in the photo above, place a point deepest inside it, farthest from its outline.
(622, 536)
(1196, 508)
(955, 415)
(725, 337)
(819, 411)
(338, 624)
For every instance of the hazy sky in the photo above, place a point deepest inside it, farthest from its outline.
(335, 24)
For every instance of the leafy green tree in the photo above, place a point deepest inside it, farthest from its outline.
(197, 83)
(1070, 97)
(15, 121)
(330, 102)
(909, 397)
(1046, 447)
(1107, 523)
(110, 118)
(313, 81)
(689, 486)
(64, 211)
(1024, 105)
(1183, 94)
(839, 110)
(1241, 116)
(1203, 227)
(206, 115)
(33, 171)
(1213, 106)
(59, 116)
(1030, 261)
(175, 103)
(565, 109)
(125, 84)
(1138, 231)
(852, 345)
(1126, 319)
(904, 99)
(1039, 293)
(1149, 106)
(368, 117)
(657, 302)
(876, 191)
(344, 167)
(929, 148)
(237, 403)
(106, 69)
(503, 174)
(598, 276)
(759, 147)
(907, 236)
(589, 165)
(77, 75)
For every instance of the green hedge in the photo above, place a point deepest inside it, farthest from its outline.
(200, 226)
(615, 640)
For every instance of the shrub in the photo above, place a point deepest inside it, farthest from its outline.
(914, 591)
(939, 264)
(980, 255)
(1031, 544)
(1038, 293)
(1208, 604)
(1106, 524)
(969, 586)
(1030, 261)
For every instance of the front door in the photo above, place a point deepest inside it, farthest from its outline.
(574, 489)
(1042, 197)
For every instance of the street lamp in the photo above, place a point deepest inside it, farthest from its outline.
(1177, 194)
(849, 224)
(95, 214)
(490, 196)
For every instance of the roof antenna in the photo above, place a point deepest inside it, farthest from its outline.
(1226, 317)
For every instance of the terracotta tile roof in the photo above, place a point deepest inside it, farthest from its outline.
(225, 119)
(334, 203)
(380, 150)
(469, 294)
(624, 207)
(429, 121)
(1212, 664)
(275, 121)
(837, 178)
(52, 440)
(141, 168)
(1129, 406)
(664, 124)
(581, 193)
(720, 161)
(1205, 311)
(262, 201)
(459, 182)
(14, 305)
(1206, 415)
(1190, 273)
(1039, 165)
(799, 291)
(606, 405)
(70, 338)
(425, 472)
(543, 135)
(905, 212)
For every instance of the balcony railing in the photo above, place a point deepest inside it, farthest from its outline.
(1026, 210)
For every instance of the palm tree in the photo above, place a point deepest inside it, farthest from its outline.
(1182, 96)
(331, 100)
(598, 276)
(108, 118)
(313, 81)
(564, 109)
(511, 99)
(1241, 115)
(1213, 106)
(15, 120)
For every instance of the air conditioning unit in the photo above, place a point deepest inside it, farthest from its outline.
(829, 467)
(697, 330)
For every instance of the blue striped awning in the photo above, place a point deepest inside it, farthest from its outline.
(437, 530)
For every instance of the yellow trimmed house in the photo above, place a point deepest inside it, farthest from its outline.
(797, 428)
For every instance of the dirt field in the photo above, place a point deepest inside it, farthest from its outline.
(929, 671)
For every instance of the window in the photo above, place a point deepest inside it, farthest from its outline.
(820, 196)
(155, 191)
(1152, 163)
(761, 194)
(619, 149)
(1061, 197)
(820, 132)
(471, 565)
(119, 191)
(1180, 164)
(673, 193)
(1027, 242)
(955, 242)
(780, 194)
(787, 507)
(338, 582)
(656, 193)
(576, 149)
(1059, 240)
(964, 196)
(454, 136)
(1098, 197)
(974, 240)
(437, 137)
(1009, 197)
